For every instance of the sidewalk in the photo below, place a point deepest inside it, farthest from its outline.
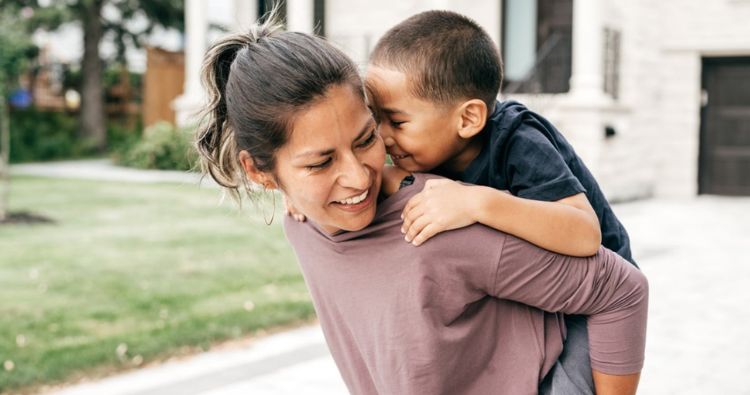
(292, 362)
(692, 250)
(103, 169)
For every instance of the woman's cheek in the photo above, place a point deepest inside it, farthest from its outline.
(319, 187)
(305, 192)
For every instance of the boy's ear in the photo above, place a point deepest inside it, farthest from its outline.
(472, 117)
(251, 171)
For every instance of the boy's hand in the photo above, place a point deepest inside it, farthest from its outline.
(442, 205)
(290, 210)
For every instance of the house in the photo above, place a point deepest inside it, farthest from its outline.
(654, 96)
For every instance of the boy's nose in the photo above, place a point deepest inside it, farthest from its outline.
(385, 133)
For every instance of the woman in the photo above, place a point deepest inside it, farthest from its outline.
(471, 311)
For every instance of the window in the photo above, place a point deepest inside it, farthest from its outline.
(537, 45)
(265, 6)
(319, 16)
(612, 62)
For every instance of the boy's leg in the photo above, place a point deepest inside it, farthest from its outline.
(571, 374)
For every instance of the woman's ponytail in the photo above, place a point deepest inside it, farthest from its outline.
(216, 141)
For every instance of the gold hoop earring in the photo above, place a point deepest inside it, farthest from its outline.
(273, 213)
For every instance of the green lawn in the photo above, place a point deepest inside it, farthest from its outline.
(130, 273)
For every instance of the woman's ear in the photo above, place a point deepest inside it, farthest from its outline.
(473, 116)
(251, 171)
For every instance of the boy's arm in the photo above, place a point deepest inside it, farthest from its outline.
(606, 384)
(568, 226)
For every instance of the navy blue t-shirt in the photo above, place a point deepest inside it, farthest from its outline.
(525, 155)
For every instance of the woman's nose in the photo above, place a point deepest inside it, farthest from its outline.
(354, 174)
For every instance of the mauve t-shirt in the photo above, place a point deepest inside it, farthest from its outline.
(468, 312)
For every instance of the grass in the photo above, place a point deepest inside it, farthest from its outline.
(131, 273)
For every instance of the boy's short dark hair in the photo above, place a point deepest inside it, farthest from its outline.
(447, 57)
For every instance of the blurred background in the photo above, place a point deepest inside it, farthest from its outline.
(116, 260)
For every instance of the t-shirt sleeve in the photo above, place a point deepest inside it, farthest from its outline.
(606, 288)
(535, 169)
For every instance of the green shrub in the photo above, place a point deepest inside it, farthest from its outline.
(163, 147)
(43, 135)
(121, 139)
(48, 135)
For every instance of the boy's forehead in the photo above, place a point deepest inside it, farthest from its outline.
(387, 84)
(382, 78)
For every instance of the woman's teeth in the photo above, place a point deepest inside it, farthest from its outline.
(354, 200)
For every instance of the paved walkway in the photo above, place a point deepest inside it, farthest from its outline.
(694, 252)
(102, 169)
(293, 362)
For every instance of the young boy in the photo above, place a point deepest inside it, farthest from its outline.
(433, 81)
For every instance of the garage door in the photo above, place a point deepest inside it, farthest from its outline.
(725, 127)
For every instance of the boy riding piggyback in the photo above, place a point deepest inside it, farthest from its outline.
(433, 80)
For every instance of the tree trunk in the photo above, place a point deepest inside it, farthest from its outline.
(92, 96)
(4, 157)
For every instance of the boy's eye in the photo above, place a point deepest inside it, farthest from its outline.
(396, 124)
(320, 165)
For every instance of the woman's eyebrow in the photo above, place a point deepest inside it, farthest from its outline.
(370, 123)
(316, 153)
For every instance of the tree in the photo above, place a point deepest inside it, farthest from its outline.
(117, 26)
(16, 49)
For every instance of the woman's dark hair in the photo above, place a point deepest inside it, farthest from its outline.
(257, 82)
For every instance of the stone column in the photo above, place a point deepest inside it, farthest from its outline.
(587, 79)
(190, 103)
(245, 14)
(300, 15)
(442, 5)
(585, 107)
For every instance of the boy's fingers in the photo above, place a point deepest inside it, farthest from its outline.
(407, 224)
(426, 234)
(416, 227)
(410, 217)
(413, 202)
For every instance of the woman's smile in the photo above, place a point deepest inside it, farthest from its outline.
(356, 203)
